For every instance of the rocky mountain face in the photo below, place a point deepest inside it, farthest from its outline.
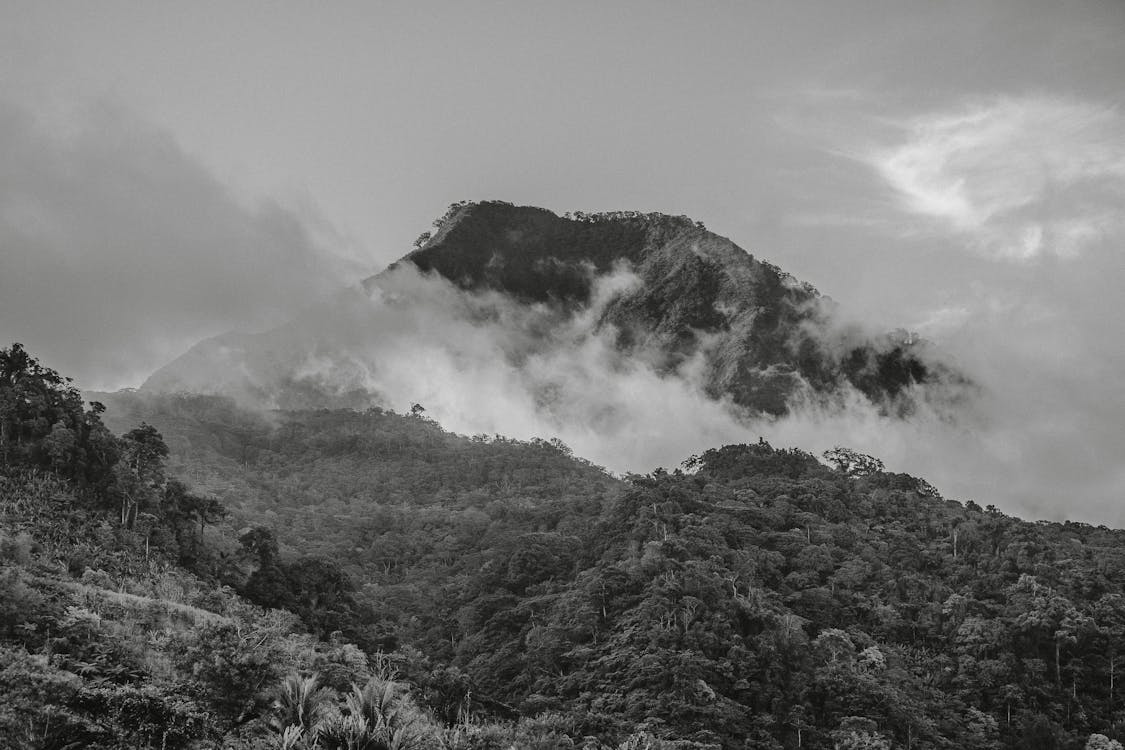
(663, 289)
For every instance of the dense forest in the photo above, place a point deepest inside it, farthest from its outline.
(214, 577)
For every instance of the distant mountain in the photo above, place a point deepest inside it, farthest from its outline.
(662, 289)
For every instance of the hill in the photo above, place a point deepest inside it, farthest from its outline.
(120, 627)
(757, 597)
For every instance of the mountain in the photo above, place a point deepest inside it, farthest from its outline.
(656, 291)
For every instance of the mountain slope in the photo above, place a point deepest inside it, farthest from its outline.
(120, 628)
(660, 291)
(758, 595)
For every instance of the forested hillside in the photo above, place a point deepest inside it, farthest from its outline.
(755, 598)
(120, 626)
(367, 580)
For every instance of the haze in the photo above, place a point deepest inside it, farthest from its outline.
(173, 172)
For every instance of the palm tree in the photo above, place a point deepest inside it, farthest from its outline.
(377, 716)
(377, 702)
(301, 702)
(348, 732)
(291, 739)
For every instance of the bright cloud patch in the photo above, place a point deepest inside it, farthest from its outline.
(1019, 177)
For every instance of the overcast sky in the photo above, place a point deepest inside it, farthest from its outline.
(172, 171)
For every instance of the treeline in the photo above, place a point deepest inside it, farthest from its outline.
(654, 218)
(589, 217)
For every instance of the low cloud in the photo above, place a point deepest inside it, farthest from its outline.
(482, 363)
(1018, 178)
(1038, 435)
(118, 250)
(1019, 198)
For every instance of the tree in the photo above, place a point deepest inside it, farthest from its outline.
(140, 474)
(380, 714)
(43, 423)
(268, 585)
(1109, 613)
(858, 733)
(184, 511)
(232, 668)
(853, 463)
(322, 594)
(261, 544)
(301, 702)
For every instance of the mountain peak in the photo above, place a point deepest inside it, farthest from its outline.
(535, 254)
(765, 335)
(660, 292)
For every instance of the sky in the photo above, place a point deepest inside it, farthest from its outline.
(169, 172)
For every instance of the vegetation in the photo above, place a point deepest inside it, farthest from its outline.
(337, 579)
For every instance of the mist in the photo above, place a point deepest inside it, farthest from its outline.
(118, 249)
(481, 363)
(1022, 438)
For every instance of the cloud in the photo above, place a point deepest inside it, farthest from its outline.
(1040, 438)
(993, 228)
(118, 250)
(1018, 177)
(483, 363)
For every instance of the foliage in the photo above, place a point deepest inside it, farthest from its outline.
(853, 463)
(104, 641)
(44, 425)
(760, 594)
(527, 599)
